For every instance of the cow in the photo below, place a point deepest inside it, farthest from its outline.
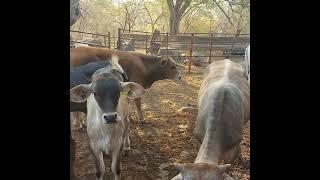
(194, 61)
(92, 42)
(223, 109)
(127, 45)
(82, 75)
(107, 114)
(174, 53)
(154, 48)
(76, 45)
(247, 61)
(139, 68)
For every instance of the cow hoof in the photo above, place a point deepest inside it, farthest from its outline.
(126, 153)
(84, 126)
(142, 122)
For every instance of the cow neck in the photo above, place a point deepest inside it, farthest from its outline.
(209, 151)
(151, 70)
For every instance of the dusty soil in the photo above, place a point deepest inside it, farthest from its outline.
(165, 137)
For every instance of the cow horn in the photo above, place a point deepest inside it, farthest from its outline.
(115, 63)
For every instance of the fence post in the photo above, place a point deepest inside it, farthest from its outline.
(105, 40)
(119, 39)
(191, 45)
(233, 41)
(109, 40)
(114, 41)
(146, 43)
(211, 36)
(167, 41)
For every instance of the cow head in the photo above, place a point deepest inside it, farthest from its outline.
(168, 68)
(106, 88)
(203, 171)
(127, 45)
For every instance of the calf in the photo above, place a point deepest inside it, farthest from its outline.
(194, 61)
(107, 114)
(224, 107)
(140, 68)
(82, 75)
(127, 45)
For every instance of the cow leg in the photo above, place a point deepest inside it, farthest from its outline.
(72, 158)
(126, 146)
(115, 166)
(75, 119)
(98, 160)
(138, 104)
(231, 155)
(83, 122)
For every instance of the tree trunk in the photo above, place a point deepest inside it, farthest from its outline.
(174, 24)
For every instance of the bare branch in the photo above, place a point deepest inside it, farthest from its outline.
(223, 11)
(155, 21)
(148, 12)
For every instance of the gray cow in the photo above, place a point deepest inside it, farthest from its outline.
(127, 45)
(224, 107)
(107, 114)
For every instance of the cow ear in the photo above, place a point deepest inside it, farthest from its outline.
(224, 168)
(80, 93)
(179, 166)
(132, 90)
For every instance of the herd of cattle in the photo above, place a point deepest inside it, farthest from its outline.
(103, 82)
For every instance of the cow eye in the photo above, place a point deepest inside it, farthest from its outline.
(94, 93)
(173, 67)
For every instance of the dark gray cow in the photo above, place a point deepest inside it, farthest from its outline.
(224, 107)
(107, 114)
(82, 75)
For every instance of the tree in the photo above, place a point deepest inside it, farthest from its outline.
(178, 10)
(236, 12)
(74, 11)
(130, 10)
(154, 15)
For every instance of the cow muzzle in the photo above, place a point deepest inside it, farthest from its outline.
(110, 117)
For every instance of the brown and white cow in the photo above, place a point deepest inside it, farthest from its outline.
(107, 114)
(224, 107)
(139, 68)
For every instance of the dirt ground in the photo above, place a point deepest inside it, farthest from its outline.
(165, 137)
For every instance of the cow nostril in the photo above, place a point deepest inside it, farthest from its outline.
(179, 77)
(110, 118)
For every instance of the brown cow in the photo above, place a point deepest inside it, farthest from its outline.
(140, 68)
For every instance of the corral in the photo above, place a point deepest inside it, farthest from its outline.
(165, 137)
(204, 47)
